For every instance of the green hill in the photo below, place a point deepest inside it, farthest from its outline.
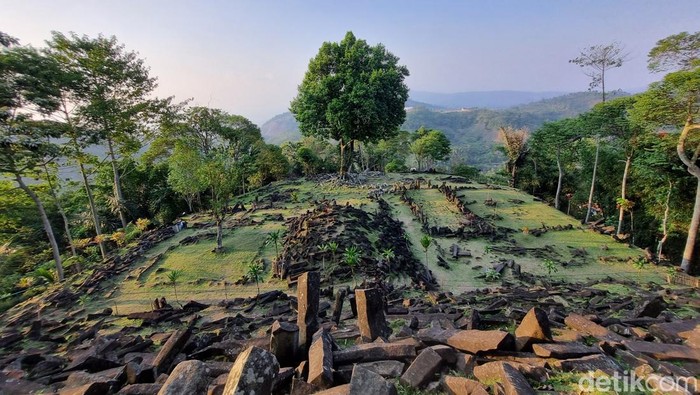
(473, 130)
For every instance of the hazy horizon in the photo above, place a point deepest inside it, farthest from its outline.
(248, 57)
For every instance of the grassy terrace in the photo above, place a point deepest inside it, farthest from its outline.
(204, 273)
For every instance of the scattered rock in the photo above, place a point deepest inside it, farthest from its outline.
(253, 372)
(188, 377)
(366, 382)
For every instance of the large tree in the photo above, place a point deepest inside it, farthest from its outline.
(597, 60)
(29, 93)
(675, 102)
(112, 96)
(677, 52)
(351, 91)
(429, 146)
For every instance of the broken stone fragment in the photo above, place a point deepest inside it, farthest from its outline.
(534, 328)
(308, 288)
(284, 342)
(454, 385)
(422, 369)
(370, 314)
(188, 377)
(321, 360)
(366, 382)
(253, 372)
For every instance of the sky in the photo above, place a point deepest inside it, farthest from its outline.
(248, 57)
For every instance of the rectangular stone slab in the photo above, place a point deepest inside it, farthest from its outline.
(665, 352)
(374, 352)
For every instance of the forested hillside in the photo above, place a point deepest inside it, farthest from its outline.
(473, 131)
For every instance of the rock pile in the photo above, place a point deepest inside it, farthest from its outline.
(511, 341)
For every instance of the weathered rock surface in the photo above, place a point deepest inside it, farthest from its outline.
(321, 360)
(188, 377)
(370, 314)
(253, 373)
(308, 289)
(422, 369)
(366, 382)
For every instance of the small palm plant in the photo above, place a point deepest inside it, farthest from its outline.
(352, 257)
(274, 238)
(255, 273)
(323, 248)
(425, 242)
(550, 266)
(333, 247)
(388, 254)
(173, 278)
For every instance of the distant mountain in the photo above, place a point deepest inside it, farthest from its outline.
(473, 130)
(487, 99)
(280, 128)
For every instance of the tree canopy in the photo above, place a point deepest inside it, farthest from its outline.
(351, 91)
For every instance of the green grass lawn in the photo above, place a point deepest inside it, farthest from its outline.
(204, 273)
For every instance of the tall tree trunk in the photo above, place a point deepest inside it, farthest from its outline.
(689, 251)
(47, 225)
(624, 194)
(664, 224)
(59, 207)
(93, 210)
(342, 158)
(351, 156)
(117, 184)
(512, 175)
(687, 263)
(559, 180)
(219, 235)
(595, 170)
(86, 183)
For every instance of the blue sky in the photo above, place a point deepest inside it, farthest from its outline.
(247, 57)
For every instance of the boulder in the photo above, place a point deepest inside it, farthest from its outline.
(534, 328)
(170, 349)
(188, 377)
(513, 382)
(253, 372)
(140, 389)
(422, 369)
(651, 308)
(454, 385)
(366, 382)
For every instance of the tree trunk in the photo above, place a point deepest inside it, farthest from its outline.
(342, 158)
(512, 175)
(624, 194)
(664, 224)
(93, 210)
(59, 207)
(687, 264)
(689, 251)
(47, 225)
(219, 235)
(559, 180)
(117, 184)
(351, 156)
(595, 170)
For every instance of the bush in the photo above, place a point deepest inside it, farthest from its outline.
(395, 166)
(466, 171)
(119, 237)
(142, 224)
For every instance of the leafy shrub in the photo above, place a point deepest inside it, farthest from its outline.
(119, 237)
(143, 223)
(395, 166)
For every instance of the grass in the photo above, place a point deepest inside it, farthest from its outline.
(203, 273)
